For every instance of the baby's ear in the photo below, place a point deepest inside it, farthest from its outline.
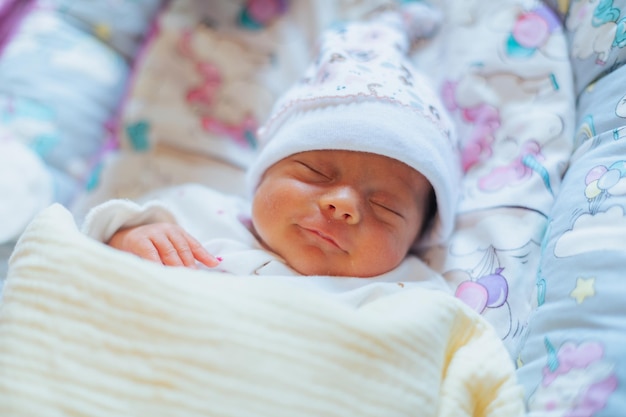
(430, 212)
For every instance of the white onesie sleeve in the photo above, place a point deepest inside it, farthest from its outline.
(205, 213)
(104, 220)
(220, 223)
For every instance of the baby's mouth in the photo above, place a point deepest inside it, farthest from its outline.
(325, 237)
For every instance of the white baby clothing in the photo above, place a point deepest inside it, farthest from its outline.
(221, 223)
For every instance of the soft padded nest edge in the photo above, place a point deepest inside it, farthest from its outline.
(89, 331)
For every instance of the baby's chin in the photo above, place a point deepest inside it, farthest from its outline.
(347, 271)
(310, 260)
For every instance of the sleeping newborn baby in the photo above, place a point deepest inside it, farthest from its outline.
(358, 169)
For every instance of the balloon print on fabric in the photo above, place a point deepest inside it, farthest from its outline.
(484, 265)
(488, 291)
(258, 14)
(603, 182)
(531, 32)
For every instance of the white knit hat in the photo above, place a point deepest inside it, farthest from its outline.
(363, 94)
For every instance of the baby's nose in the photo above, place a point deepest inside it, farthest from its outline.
(342, 203)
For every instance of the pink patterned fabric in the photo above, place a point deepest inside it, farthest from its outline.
(11, 12)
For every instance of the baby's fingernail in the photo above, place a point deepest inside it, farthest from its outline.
(219, 258)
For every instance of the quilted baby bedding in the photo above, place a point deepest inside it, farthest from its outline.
(536, 91)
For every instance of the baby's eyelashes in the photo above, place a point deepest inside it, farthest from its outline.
(313, 171)
(387, 209)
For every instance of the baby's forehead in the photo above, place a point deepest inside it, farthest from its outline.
(359, 159)
(342, 155)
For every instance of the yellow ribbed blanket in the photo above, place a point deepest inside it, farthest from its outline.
(89, 331)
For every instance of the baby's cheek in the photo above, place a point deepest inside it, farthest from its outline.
(386, 247)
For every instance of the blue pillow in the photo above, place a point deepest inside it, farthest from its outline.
(59, 87)
(572, 362)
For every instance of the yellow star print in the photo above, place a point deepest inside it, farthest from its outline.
(102, 31)
(563, 6)
(584, 288)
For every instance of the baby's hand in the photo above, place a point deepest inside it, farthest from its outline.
(164, 243)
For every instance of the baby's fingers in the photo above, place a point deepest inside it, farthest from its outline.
(189, 250)
(195, 251)
(203, 256)
(132, 241)
(172, 250)
(147, 250)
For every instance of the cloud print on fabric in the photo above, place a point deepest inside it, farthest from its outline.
(594, 232)
(503, 229)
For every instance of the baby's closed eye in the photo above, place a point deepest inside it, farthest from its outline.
(387, 207)
(312, 172)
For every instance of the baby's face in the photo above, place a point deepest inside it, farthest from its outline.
(339, 212)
